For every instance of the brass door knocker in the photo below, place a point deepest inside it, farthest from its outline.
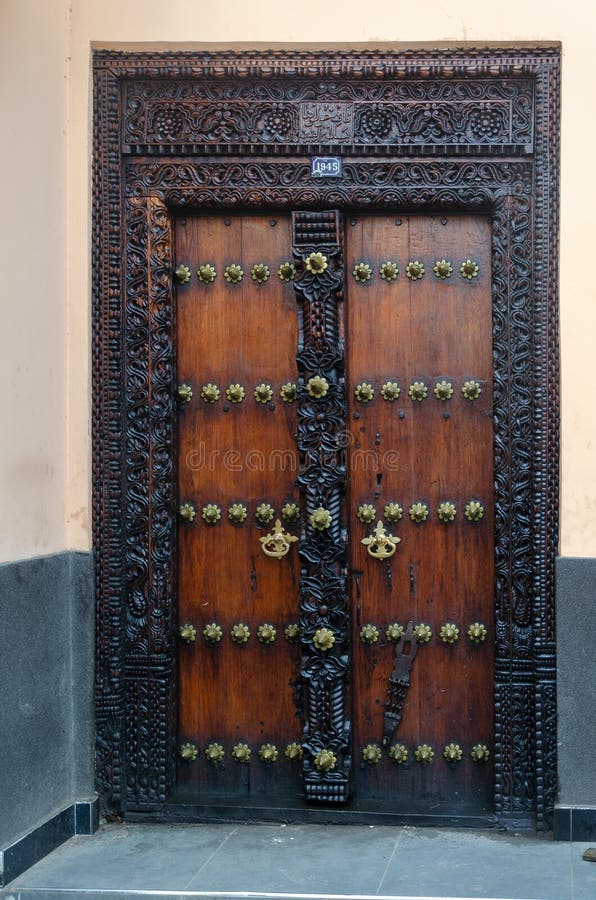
(380, 544)
(277, 543)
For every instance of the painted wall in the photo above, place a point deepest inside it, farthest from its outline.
(33, 262)
(46, 473)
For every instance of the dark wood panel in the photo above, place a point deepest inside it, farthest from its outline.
(425, 330)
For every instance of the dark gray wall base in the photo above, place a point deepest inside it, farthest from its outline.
(572, 823)
(80, 818)
(576, 677)
(46, 679)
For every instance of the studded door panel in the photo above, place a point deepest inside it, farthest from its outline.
(419, 371)
(237, 470)
(273, 432)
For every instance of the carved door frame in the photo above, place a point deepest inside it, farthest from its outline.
(465, 130)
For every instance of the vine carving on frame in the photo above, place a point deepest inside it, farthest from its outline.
(505, 165)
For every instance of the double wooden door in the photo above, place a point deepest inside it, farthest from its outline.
(335, 540)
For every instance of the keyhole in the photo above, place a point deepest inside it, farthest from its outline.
(378, 490)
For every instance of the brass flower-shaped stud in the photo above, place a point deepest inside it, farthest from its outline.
(417, 391)
(187, 512)
(323, 639)
(240, 633)
(266, 633)
(398, 754)
(393, 632)
(268, 753)
(390, 391)
(264, 513)
(389, 270)
(293, 751)
(290, 512)
(393, 512)
(471, 390)
(210, 393)
(469, 269)
(422, 633)
(446, 511)
(288, 392)
(366, 513)
(480, 753)
(182, 274)
(207, 273)
(286, 271)
(452, 752)
(364, 392)
(316, 263)
(183, 393)
(320, 519)
(237, 513)
(188, 752)
(211, 513)
(362, 272)
(292, 633)
(235, 393)
(188, 633)
(263, 393)
(443, 268)
(233, 273)
(212, 633)
(474, 511)
(371, 754)
(424, 753)
(477, 633)
(443, 390)
(260, 273)
(418, 512)
(325, 760)
(214, 753)
(241, 753)
(317, 387)
(369, 634)
(414, 270)
(449, 633)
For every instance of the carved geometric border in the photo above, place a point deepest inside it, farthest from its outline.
(133, 421)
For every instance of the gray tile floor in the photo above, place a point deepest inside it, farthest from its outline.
(307, 861)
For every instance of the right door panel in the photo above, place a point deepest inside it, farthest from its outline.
(419, 373)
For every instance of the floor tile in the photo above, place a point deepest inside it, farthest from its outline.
(146, 857)
(309, 860)
(473, 864)
(584, 873)
(300, 858)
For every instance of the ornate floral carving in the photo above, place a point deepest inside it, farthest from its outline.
(375, 122)
(279, 121)
(168, 122)
(488, 123)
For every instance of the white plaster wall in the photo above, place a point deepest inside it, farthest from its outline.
(33, 285)
(37, 436)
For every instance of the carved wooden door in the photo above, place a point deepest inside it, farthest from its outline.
(335, 563)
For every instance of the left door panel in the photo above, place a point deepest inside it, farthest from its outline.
(237, 465)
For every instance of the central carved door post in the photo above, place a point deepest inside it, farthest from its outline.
(324, 625)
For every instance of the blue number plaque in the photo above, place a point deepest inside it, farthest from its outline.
(325, 166)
